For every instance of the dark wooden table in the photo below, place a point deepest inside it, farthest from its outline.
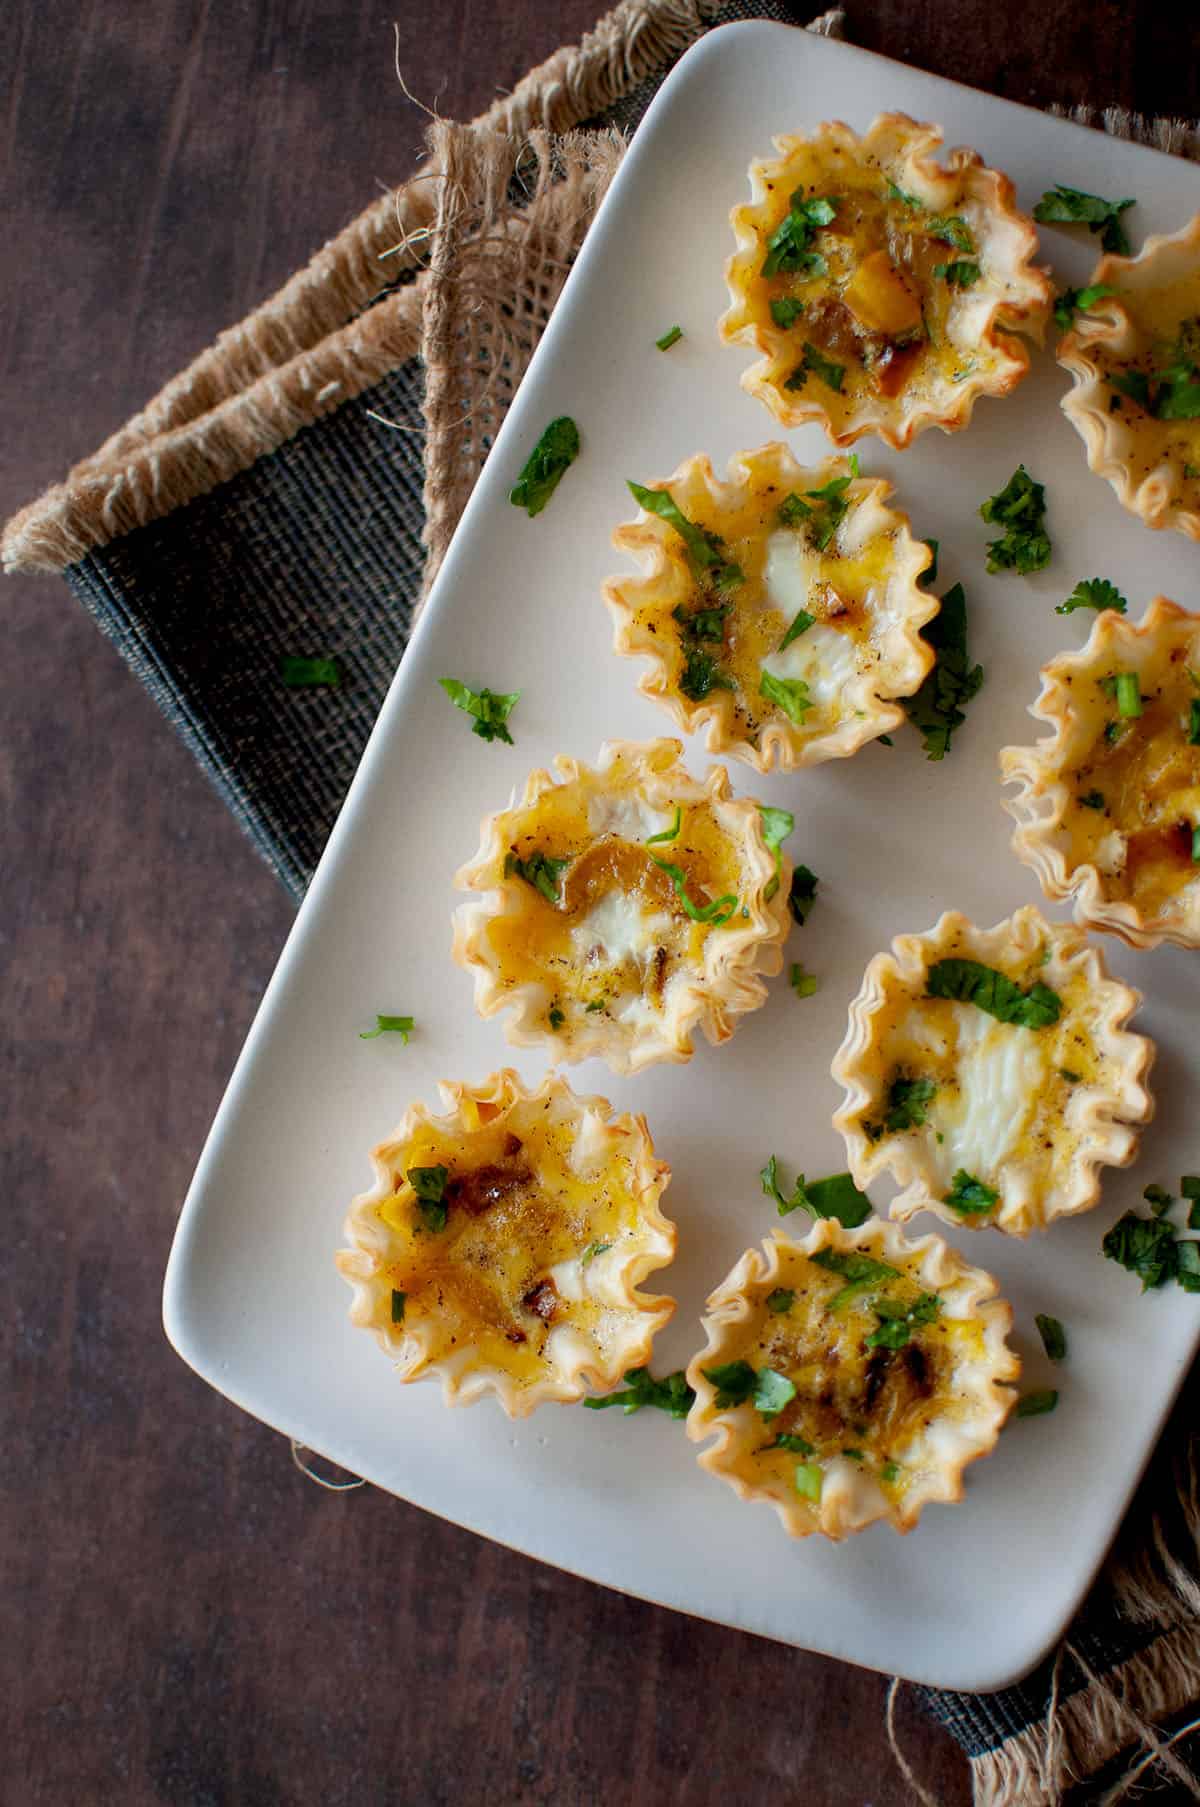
(187, 1618)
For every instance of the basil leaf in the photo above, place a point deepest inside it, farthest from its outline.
(969, 1196)
(789, 694)
(1054, 1337)
(970, 982)
(704, 549)
(1035, 1405)
(489, 709)
(551, 457)
(398, 1303)
(1078, 301)
(802, 893)
(1061, 206)
(906, 1100)
(1143, 1245)
(671, 1394)
(540, 870)
(961, 274)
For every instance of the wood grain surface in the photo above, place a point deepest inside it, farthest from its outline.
(187, 1618)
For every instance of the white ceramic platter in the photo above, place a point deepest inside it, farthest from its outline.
(973, 1597)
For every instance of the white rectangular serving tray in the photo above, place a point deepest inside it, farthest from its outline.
(979, 1591)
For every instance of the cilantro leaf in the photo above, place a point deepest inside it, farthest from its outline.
(788, 245)
(802, 894)
(1187, 1265)
(801, 622)
(429, 1184)
(789, 694)
(837, 1196)
(1078, 301)
(700, 676)
(671, 1394)
(1093, 593)
(540, 870)
(737, 1383)
(802, 983)
(969, 1196)
(951, 229)
(816, 364)
(792, 510)
(907, 1099)
(785, 311)
(1020, 508)
(1038, 1403)
(402, 1026)
(489, 708)
(1054, 1337)
(1144, 1245)
(961, 274)
(861, 1273)
(777, 825)
(1061, 206)
(781, 1300)
(796, 1446)
(671, 337)
(554, 453)
(897, 1322)
(973, 983)
(309, 674)
(937, 708)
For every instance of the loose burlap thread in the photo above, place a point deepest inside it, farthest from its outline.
(461, 267)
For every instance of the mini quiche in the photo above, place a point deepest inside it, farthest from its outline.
(502, 1245)
(781, 608)
(1134, 355)
(852, 1376)
(990, 1073)
(1108, 810)
(881, 286)
(624, 907)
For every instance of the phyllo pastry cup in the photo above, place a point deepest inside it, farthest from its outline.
(1134, 355)
(624, 907)
(851, 1376)
(780, 609)
(1108, 809)
(989, 1071)
(502, 1245)
(881, 287)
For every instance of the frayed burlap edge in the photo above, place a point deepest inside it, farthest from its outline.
(312, 346)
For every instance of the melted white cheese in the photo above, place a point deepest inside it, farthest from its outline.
(823, 658)
(1001, 1071)
(630, 818)
(620, 929)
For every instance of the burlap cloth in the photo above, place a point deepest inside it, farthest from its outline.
(294, 490)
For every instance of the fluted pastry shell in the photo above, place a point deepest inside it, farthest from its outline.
(912, 1417)
(1125, 856)
(615, 966)
(1152, 464)
(1030, 1113)
(531, 1290)
(947, 344)
(863, 650)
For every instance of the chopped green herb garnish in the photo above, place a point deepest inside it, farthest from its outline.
(1070, 1077)
(937, 708)
(1061, 206)
(952, 229)
(706, 624)
(802, 983)
(671, 337)
(551, 457)
(899, 194)
(907, 1099)
(595, 1005)
(1189, 1185)
(539, 870)
(796, 1446)
(889, 1472)
(1093, 800)
(973, 983)
(788, 245)
(777, 825)
(489, 709)
(309, 674)
(789, 694)
(1078, 301)
(961, 274)
(822, 367)
(1135, 384)
(1194, 722)
(969, 1196)
(808, 1481)
(701, 674)
(837, 1196)
(1036, 1404)
(1054, 1337)
(1144, 1245)
(897, 1322)
(429, 1184)
(402, 1026)
(781, 1300)
(862, 1273)
(801, 622)
(802, 893)
(1187, 1266)
(1129, 695)
(705, 550)
(1158, 1199)
(555, 1018)
(737, 1383)
(717, 912)
(1196, 845)
(1020, 508)
(671, 1394)
(592, 1250)
(398, 1303)
(1093, 593)
(785, 311)
(668, 834)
